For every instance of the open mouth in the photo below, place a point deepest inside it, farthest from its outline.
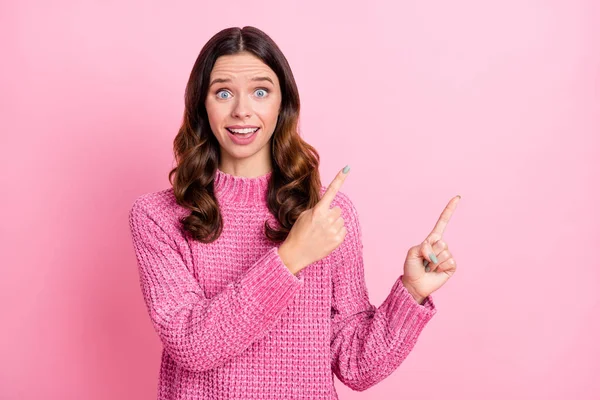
(243, 136)
(243, 132)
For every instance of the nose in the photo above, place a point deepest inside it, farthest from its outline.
(242, 107)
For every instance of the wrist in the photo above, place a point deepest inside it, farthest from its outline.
(417, 297)
(286, 256)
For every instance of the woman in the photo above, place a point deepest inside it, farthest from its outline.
(251, 270)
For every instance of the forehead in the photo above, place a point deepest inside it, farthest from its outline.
(241, 65)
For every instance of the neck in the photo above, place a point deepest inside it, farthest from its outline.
(251, 167)
(232, 189)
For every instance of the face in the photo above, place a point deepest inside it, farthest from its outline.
(244, 93)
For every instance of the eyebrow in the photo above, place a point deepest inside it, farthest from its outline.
(257, 78)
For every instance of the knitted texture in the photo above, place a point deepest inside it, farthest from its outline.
(236, 323)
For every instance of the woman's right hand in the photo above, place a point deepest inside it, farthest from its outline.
(317, 231)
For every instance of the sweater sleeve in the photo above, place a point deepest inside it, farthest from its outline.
(368, 343)
(197, 332)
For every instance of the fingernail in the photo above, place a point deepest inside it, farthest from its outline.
(346, 169)
(433, 258)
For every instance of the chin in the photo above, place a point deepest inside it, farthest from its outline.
(242, 153)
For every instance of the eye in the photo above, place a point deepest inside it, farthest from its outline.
(263, 90)
(219, 94)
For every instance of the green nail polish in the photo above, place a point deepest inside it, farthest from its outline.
(346, 169)
(433, 258)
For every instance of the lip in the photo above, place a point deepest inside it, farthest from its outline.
(241, 140)
(241, 126)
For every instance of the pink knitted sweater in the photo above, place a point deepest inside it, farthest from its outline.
(235, 323)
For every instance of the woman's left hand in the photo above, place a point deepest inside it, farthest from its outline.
(430, 264)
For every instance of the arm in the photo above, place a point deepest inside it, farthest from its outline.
(200, 333)
(368, 343)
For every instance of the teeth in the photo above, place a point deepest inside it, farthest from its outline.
(246, 130)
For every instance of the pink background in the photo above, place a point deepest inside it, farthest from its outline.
(497, 101)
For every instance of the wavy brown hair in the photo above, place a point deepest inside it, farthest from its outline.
(295, 182)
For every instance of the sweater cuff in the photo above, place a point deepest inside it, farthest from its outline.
(269, 284)
(404, 311)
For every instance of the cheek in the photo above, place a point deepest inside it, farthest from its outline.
(268, 112)
(214, 113)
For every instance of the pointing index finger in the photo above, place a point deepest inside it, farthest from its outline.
(442, 222)
(333, 188)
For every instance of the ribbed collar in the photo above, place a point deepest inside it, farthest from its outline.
(231, 189)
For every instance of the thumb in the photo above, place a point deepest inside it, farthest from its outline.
(428, 255)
